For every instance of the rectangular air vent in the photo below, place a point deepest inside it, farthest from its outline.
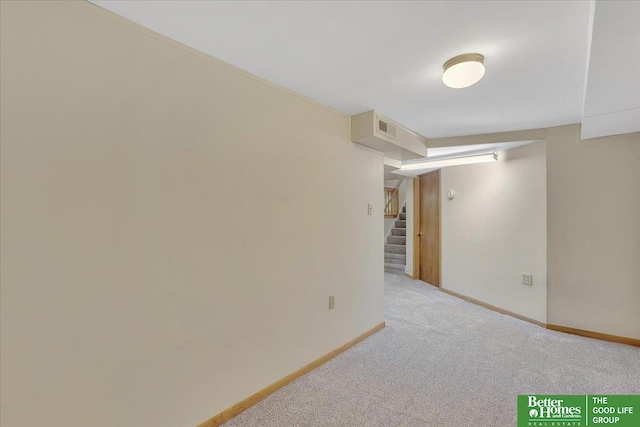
(382, 134)
(386, 128)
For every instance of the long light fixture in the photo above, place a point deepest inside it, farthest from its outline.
(450, 161)
(463, 70)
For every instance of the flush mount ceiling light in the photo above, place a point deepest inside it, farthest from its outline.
(463, 70)
(451, 161)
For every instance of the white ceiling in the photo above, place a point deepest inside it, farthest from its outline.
(612, 101)
(388, 56)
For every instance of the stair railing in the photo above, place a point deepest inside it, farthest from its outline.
(390, 196)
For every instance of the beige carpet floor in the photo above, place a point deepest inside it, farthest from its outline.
(444, 362)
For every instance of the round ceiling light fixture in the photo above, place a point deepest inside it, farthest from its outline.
(463, 70)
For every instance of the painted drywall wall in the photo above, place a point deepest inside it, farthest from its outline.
(388, 224)
(408, 268)
(155, 270)
(594, 232)
(402, 193)
(495, 229)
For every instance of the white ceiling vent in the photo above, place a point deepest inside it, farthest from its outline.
(376, 131)
(386, 129)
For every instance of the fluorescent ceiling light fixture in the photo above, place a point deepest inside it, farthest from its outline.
(452, 161)
(463, 70)
(468, 150)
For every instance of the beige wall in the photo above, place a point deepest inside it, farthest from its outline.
(155, 270)
(388, 224)
(408, 268)
(594, 232)
(495, 229)
(402, 193)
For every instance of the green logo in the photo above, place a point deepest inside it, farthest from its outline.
(536, 410)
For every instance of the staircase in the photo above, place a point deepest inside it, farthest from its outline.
(395, 249)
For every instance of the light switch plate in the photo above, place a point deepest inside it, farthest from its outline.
(370, 209)
(527, 279)
(332, 302)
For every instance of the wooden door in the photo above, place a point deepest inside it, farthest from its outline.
(429, 228)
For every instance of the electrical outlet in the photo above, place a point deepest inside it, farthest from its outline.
(527, 279)
(332, 302)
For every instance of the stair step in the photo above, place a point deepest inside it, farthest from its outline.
(404, 209)
(397, 240)
(395, 249)
(398, 231)
(402, 216)
(399, 261)
(401, 224)
(393, 268)
(399, 256)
